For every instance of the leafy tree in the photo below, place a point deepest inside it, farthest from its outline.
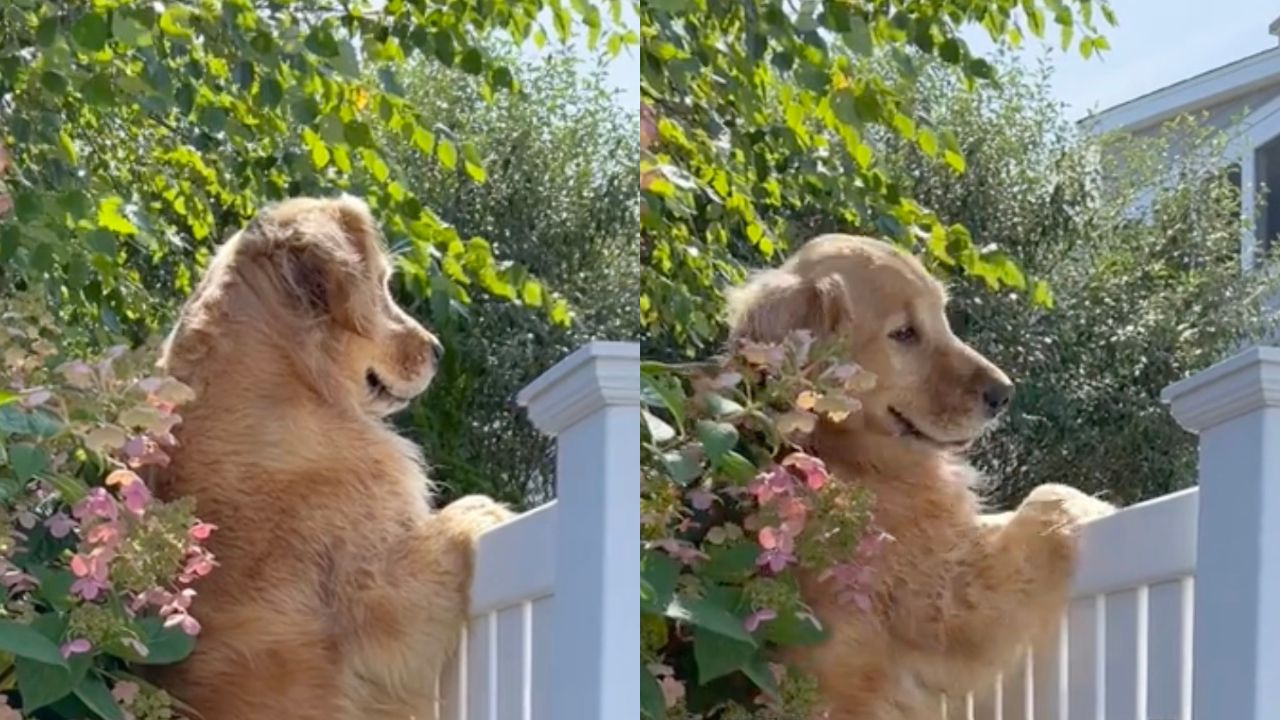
(560, 201)
(765, 108)
(141, 133)
(1142, 246)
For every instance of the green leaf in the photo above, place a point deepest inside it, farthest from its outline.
(704, 613)
(41, 683)
(346, 61)
(531, 293)
(129, 31)
(718, 655)
(1041, 295)
(659, 572)
(98, 90)
(758, 670)
(730, 563)
(90, 31)
(72, 489)
(93, 692)
(717, 438)
(659, 430)
(927, 141)
(25, 642)
(792, 629)
(110, 217)
(682, 465)
(472, 164)
(472, 62)
(737, 468)
(27, 461)
(720, 406)
(447, 153)
(663, 390)
(165, 646)
(7, 397)
(53, 81)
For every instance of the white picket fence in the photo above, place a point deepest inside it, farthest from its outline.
(1175, 610)
(556, 592)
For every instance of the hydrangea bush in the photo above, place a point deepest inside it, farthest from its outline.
(95, 573)
(735, 510)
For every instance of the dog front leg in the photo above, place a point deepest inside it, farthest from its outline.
(1006, 589)
(409, 619)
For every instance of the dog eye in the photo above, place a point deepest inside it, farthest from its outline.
(904, 334)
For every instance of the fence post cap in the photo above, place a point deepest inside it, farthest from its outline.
(1240, 384)
(596, 375)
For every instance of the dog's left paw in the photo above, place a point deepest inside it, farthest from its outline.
(476, 513)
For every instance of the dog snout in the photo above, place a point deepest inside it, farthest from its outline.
(996, 396)
(436, 349)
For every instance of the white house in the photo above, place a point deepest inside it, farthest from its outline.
(1243, 98)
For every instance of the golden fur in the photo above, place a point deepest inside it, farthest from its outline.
(958, 593)
(340, 592)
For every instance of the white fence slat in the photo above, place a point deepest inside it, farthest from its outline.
(1164, 670)
(1125, 661)
(478, 666)
(1082, 679)
(509, 663)
(543, 651)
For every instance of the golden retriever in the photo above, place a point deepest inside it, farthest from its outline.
(340, 593)
(958, 593)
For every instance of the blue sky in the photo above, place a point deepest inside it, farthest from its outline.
(622, 72)
(1156, 43)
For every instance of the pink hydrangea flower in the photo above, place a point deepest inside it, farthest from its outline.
(701, 499)
(124, 692)
(672, 690)
(201, 531)
(779, 549)
(60, 524)
(107, 534)
(757, 618)
(91, 573)
(16, 580)
(771, 483)
(813, 470)
(98, 503)
(199, 563)
(681, 550)
(78, 646)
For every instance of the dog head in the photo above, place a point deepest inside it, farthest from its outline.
(301, 296)
(932, 390)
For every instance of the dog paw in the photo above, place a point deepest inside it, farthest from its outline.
(476, 513)
(1064, 504)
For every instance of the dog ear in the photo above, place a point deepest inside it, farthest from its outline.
(777, 302)
(357, 224)
(307, 277)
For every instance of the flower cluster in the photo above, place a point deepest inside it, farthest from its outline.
(90, 560)
(738, 515)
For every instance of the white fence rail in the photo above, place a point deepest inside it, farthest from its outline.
(1175, 610)
(556, 592)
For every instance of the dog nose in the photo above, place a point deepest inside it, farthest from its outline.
(997, 395)
(437, 350)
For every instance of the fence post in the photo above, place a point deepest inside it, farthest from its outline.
(590, 402)
(1234, 407)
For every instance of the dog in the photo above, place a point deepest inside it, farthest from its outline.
(958, 593)
(340, 593)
